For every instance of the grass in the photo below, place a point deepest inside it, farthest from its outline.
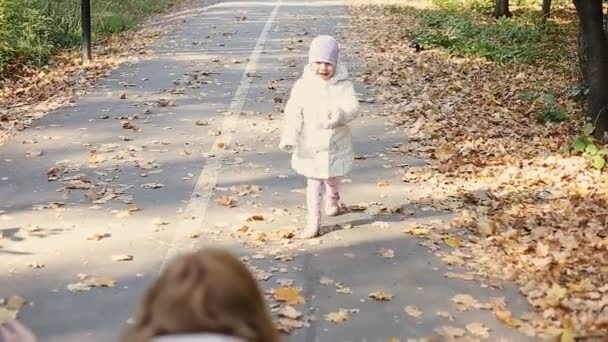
(32, 31)
(467, 29)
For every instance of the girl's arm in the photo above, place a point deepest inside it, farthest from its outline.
(346, 105)
(292, 125)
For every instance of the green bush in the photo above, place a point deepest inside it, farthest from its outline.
(465, 33)
(31, 31)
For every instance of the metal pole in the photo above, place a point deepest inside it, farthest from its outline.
(86, 30)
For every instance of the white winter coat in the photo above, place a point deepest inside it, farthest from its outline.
(320, 152)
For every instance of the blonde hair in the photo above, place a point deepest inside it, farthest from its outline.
(207, 291)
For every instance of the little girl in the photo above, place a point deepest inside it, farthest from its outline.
(209, 296)
(321, 104)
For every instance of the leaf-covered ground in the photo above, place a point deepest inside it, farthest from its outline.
(525, 211)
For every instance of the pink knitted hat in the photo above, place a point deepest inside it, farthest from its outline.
(324, 49)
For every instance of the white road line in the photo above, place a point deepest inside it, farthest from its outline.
(201, 196)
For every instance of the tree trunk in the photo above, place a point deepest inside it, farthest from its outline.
(606, 19)
(546, 9)
(502, 9)
(595, 66)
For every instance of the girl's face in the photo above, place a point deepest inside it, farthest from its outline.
(323, 70)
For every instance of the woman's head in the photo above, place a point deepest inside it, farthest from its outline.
(323, 56)
(209, 291)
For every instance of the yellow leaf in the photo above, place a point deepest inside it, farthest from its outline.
(506, 317)
(567, 336)
(555, 294)
(226, 201)
(478, 329)
(381, 296)
(289, 295)
(413, 311)
(453, 241)
(338, 317)
(444, 152)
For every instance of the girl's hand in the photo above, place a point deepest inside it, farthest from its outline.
(13, 331)
(331, 122)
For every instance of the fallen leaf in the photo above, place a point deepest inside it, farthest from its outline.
(453, 241)
(383, 183)
(255, 218)
(413, 311)
(453, 260)
(122, 257)
(98, 237)
(381, 296)
(344, 290)
(152, 185)
(478, 329)
(464, 301)
(444, 152)
(54, 173)
(86, 283)
(326, 281)
(286, 325)
(450, 332)
(35, 264)
(453, 275)
(387, 253)
(78, 184)
(290, 312)
(227, 201)
(555, 294)
(340, 316)
(289, 295)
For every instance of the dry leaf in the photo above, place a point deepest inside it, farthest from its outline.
(290, 312)
(344, 290)
(227, 201)
(152, 185)
(289, 295)
(89, 282)
(413, 311)
(555, 294)
(453, 241)
(98, 237)
(453, 275)
(326, 281)
(340, 316)
(383, 183)
(453, 260)
(122, 257)
(387, 253)
(444, 152)
(464, 301)
(478, 329)
(450, 332)
(381, 296)
(255, 218)
(286, 325)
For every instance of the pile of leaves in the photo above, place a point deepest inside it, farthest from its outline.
(525, 210)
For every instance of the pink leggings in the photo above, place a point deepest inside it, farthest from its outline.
(314, 192)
